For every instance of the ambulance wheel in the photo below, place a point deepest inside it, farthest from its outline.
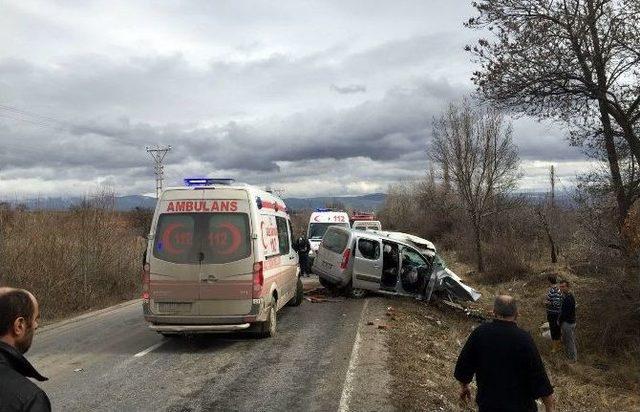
(299, 297)
(267, 329)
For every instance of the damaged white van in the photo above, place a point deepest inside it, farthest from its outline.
(357, 261)
(219, 258)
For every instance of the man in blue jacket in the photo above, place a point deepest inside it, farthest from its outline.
(19, 315)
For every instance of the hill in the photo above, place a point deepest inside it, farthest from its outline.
(125, 203)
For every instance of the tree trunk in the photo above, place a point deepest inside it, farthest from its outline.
(601, 90)
(614, 167)
(478, 240)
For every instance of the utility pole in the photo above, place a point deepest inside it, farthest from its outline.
(553, 186)
(158, 152)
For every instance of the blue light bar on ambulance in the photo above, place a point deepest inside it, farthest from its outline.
(324, 209)
(206, 181)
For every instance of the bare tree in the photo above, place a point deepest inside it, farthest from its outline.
(474, 145)
(568, 59)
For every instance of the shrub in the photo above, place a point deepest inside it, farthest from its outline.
(72, 260)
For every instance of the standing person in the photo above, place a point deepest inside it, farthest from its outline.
(553, 304)
(303, 255)
(505, 361)
(19, 316)
(567, 321)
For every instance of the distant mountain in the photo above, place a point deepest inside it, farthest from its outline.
(124, 203)
(131, 202)
(563, 198)
(369, 202)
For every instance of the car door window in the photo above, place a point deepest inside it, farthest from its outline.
(369, 249)
(411, 257)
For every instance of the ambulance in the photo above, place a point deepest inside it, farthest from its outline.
(219, 258)
(319, 222)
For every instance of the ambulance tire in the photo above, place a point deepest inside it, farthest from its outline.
(268, 328)
(299, 297)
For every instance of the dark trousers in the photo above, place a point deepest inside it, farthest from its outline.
(554, 327)
(303, 258)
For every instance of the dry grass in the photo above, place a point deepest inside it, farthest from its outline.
(72, 261)
(424, 353)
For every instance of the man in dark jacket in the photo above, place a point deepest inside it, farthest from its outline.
(303, 255)
(19, 315)
(567, 321)
(505, 361)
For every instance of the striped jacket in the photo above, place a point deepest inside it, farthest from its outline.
(554, 296)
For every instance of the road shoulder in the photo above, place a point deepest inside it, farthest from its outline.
(368, 381)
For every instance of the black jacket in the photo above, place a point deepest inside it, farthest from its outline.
(568, 309)
(17, 393)
(303, 246)
(507, 366)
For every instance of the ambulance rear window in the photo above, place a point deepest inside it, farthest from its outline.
(206, 238)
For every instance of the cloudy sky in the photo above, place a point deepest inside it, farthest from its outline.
(332, 97)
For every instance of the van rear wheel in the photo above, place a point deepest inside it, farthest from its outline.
(326, 284)
(299, 297)
(268, 328)
(355, 293)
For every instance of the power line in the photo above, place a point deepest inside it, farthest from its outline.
(45, 122)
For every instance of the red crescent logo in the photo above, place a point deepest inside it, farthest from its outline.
(166, 238)
(236, 238)
(315, 219)
(263, 234)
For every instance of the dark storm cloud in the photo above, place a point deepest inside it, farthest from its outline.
(331, 99)
(350, 89)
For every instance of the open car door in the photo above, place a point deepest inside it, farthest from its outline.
(367, 264)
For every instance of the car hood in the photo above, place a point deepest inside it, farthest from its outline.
(449, 281)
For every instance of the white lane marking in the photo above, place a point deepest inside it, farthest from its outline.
(348, 381)
(149, 349)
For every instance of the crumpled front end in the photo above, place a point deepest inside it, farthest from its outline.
(451, 286)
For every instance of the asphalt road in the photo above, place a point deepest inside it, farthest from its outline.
(111, 361)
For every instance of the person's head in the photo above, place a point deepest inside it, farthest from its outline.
(553, 279)
(19, 316)
(505, 308)
(564, 286)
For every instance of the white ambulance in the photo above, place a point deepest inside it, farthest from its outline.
(319, 222)
(219, 258)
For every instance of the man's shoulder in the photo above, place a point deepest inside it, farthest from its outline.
(501, 327)
(16, 388)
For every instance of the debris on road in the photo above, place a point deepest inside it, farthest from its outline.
(321, 295)
(78, 370)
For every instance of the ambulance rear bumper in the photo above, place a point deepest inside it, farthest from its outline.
(198, 328)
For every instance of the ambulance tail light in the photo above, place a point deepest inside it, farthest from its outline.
(258, 279)
(146, 280)
(345, 258)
